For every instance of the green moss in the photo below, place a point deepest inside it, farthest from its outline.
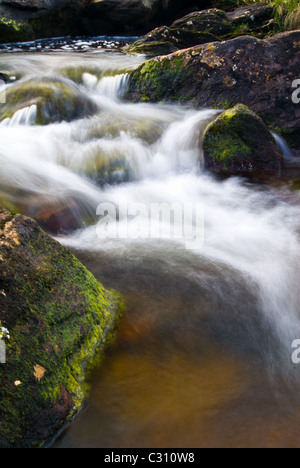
(238, 142)
(226, 148)
(76, 73)
(61, 317)
(155, 76)
(56, 100)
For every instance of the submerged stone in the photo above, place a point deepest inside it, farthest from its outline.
(202, 27)
(57, 315)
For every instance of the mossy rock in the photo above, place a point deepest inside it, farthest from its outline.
(239, 143)
(151, 49)
(57, 315)
(212, 21)
(13, 31)
(151, 80)
(56, 100)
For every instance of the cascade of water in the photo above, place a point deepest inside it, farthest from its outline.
(237, 289)
(157, 149)
(26, 116)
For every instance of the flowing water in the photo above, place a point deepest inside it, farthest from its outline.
(203, 357)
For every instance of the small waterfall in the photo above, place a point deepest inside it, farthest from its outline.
(237, 292)
(26, 116)
(113, 86)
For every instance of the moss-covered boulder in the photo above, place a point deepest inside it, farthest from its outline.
(63, 20)
(56, 315)
(164, 41)
(56, 100)
(258, 73)
(239, 143)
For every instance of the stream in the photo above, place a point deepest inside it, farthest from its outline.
(203, 356)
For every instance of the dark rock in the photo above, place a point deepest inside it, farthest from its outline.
(201, 27)
(40, 5)
(7, 77)
(152, 49)
(254, 15)
(168, 41)
(257, 73)
(211, 21)
(239, 143)
(56, 22)
(59, 218)
(13, 31)
(57, 315)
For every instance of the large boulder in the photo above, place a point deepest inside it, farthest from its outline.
(201, 27)
(56, 316)
(55, 99)
(257, 73)
(239, 143)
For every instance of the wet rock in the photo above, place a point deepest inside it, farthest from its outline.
(239, 143)
(14, 31)
(257, 73)
(133, 16)
(57, 315)
(254, 14)
(56, 100)
(35, 19)
(62, 218)
(37, 4)
(57, 22)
